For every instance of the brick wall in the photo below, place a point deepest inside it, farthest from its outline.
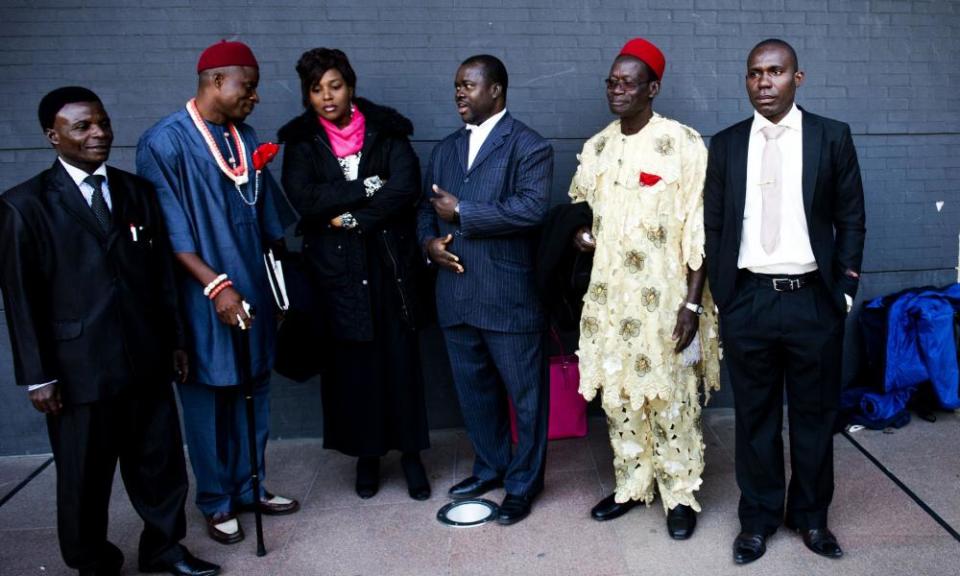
(887, 67)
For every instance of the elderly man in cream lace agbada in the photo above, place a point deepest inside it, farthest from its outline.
(648, 330)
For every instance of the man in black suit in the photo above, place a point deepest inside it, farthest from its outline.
(784, 218)
(87, 279)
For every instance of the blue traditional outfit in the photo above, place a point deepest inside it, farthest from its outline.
(227, 226)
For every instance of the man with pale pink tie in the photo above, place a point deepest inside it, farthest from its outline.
(784, 219)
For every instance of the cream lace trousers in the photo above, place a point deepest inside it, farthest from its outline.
(657, 448)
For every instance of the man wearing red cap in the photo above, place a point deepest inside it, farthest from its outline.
(221, 214)
(647, 335)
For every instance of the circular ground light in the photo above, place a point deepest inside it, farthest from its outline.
(466, 513)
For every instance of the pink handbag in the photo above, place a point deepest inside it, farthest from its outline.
(568, 409)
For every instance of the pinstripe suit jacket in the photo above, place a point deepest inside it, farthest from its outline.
(504, 197)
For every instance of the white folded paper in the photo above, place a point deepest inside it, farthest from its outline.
(277, 284)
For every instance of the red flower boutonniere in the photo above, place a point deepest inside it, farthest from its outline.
(264, 154)
(645, 179)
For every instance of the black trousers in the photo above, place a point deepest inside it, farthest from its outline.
(140, 429)
(774, 340)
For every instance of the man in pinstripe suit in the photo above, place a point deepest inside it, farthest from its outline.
(489, 188)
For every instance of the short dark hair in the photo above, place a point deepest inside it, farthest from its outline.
(781, 44)
(60, 97)
(493, 69)
(313, 64)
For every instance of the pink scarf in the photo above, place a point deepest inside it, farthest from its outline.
(348, 140)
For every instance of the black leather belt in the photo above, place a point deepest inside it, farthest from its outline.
(784, 282)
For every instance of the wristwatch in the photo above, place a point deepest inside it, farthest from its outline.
(695, 308)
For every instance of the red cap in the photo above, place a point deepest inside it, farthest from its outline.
(646, 52)
(225, 53)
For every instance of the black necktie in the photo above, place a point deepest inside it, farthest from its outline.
(97, 203)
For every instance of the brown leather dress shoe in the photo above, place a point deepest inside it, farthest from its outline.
(273, 505)
(224, 528)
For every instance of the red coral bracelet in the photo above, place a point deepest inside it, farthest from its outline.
(220, 288)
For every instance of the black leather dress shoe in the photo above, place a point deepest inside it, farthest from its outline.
(608, 509)
(514, 509)
(473, 487)
(822, 541)
(747, 547)
(189, 565)
(681, 522)
(108, 564)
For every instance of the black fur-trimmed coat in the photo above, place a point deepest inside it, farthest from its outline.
(338, 259)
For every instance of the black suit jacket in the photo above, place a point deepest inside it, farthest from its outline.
(832, 200)
(96, 311)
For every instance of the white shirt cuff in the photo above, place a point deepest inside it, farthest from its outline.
(33, 387)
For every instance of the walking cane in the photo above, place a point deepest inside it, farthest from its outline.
(241, 347)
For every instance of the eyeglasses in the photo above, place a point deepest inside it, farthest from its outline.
(627, 84)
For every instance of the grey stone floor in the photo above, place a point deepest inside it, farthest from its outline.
(883, 531)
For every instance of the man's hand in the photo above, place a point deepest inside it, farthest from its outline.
(47, 399)
(437, 251)
(445, 203)
(181, 365)
(686, 328)
(229, 307)
(583, 240)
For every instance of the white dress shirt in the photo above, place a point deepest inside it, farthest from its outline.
(479, 133)
(793, 254)
(78, 175)
(87, 190)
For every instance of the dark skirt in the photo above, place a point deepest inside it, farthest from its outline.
(372, 392)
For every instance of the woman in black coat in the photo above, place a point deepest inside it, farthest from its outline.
(350, 172)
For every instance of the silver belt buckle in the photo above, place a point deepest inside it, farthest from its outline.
(791, 284)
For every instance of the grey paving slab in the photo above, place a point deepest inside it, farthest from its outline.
(924, 456)
(883, 531)
(31, 552)
(385, 539)
(33, 507)
(557, 536)
(240, 558)
(16, 468)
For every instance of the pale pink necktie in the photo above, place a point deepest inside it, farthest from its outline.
(771, 188)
